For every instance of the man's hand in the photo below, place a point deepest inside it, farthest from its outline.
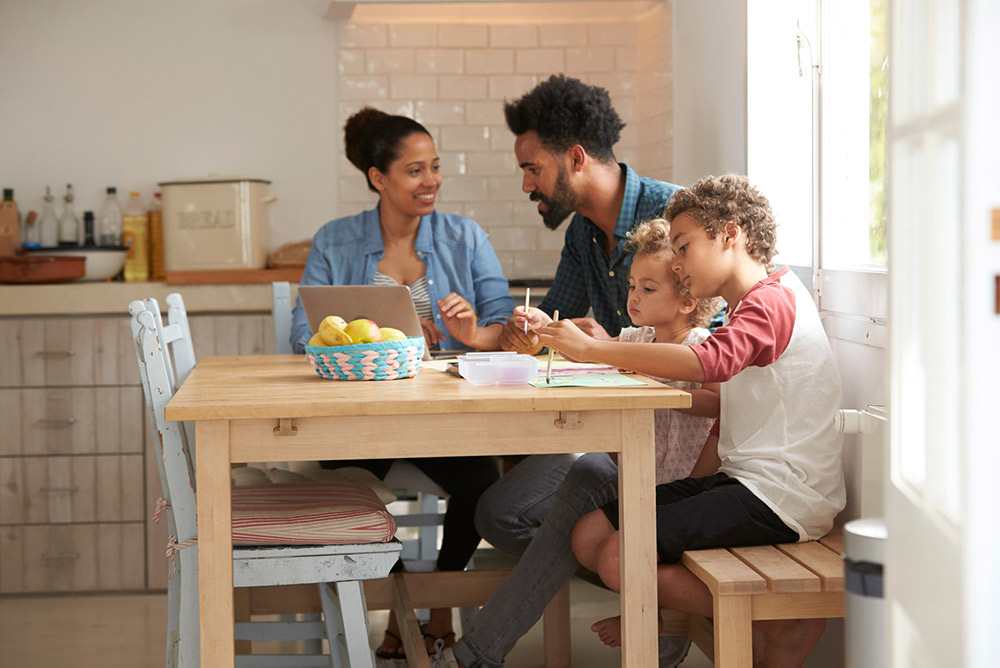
(591, 328)
(513, 337)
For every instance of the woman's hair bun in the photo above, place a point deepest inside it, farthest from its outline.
(355, 129)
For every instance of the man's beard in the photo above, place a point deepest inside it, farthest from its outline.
(561, 204)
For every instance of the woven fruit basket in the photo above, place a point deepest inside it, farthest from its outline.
(385, 360)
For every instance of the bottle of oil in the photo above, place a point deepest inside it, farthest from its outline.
(157, 270)
(135, 235)
(70, 233)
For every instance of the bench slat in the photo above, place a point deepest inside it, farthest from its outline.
(821, 560)
(724, 574)
(834, 541)
(784, 575)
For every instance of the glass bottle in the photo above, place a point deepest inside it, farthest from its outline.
(88, 229)
(70, 233)
(157, 270)
(135, 235)
(48, 226)
(109, 222)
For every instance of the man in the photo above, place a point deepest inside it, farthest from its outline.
(565, 134)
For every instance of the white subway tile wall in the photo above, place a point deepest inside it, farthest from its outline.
(454, 78)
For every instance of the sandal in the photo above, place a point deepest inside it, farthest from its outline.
(400, 653)
(438, 642)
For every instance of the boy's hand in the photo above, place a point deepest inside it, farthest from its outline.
(591, 328)
(568, 339)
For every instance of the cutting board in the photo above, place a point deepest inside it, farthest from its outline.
(226, 276)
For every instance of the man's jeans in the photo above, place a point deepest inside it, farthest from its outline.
(531, 512)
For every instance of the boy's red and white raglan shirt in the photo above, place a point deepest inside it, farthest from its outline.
(780, 392)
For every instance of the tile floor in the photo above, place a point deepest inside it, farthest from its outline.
(127, 631)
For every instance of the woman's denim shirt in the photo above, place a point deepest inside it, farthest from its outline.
(455, 250)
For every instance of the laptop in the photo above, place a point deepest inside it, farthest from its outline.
(387, 305)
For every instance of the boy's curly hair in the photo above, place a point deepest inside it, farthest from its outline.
(652, 237)
(564, 112)
(715, 200)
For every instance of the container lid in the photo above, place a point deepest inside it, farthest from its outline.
(864, 540)
(211, 179)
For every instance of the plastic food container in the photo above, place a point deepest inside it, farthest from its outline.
(505, 368)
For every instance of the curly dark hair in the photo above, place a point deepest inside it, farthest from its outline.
(372, 138)
(564, 112)
(652, 237)
(716, 200)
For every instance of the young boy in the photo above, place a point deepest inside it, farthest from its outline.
(777, 455)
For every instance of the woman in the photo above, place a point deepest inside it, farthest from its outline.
(457, 287)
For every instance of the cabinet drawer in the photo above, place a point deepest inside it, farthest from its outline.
(53, 490)
(47, 352)
(71, 557)
(71, 420)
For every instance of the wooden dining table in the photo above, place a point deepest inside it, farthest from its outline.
(266, 408)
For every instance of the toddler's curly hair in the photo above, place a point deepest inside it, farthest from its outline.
(715, 200)
(652, 237)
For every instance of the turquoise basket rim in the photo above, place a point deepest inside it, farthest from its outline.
(378, 345)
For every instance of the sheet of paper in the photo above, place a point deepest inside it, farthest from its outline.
(564, 368)
(587, 380)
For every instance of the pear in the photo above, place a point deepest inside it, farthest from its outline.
(332, 334)
(316, 340)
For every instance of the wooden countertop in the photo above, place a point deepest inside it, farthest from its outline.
(113, 297)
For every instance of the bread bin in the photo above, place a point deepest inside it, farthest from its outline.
(216, 223)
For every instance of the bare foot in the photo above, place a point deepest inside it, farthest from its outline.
(785, 643)
(610, 630)
(392, 644)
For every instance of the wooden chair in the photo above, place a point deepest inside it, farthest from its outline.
(766, 582)
(337, 569)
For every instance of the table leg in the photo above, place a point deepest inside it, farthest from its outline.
(215, 544)
(636, 494)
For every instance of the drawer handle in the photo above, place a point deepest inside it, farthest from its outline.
(72, 490)
(64, 422)
(56, 353)
(68, 556)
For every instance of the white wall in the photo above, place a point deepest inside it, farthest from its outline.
(124, 93)
(709, 58)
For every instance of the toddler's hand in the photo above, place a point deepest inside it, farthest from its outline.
(566, 338)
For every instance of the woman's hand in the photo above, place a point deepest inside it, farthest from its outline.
(431, 332)
(459, 318)
(567, 339)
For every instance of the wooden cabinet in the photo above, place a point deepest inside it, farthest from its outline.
(78, 483)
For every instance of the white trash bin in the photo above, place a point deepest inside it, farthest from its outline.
(864, 614)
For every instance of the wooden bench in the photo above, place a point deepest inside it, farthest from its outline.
(768, 582)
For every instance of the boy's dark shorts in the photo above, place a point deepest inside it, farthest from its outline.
(716, 511)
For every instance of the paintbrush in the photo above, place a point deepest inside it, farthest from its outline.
(548, 367)
(527, 296)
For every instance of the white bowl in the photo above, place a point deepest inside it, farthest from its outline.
(103, 262)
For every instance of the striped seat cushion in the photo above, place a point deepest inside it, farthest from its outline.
(309, 513)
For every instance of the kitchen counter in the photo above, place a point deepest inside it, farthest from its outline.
(111, 297)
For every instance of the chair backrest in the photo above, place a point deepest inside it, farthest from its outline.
(174, 457)
(281, 316)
